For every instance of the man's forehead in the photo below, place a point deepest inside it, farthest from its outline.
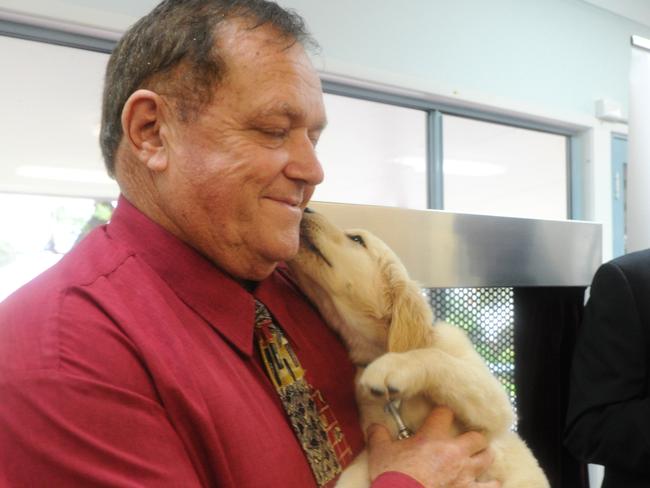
(270, 72)
(280, 107)
(262, 53)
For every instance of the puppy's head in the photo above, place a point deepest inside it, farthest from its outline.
(361, 288)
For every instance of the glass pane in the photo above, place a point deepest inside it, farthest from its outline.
(496, 169)
(39, 231)
(373, 153)
(51, 105)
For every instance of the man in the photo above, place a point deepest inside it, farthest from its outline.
(133, 362)
(609, 405)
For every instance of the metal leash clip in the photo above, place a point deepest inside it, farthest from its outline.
(392, 407)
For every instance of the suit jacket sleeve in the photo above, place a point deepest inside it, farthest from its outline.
(608, 419)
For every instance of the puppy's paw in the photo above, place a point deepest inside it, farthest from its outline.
(393, 375)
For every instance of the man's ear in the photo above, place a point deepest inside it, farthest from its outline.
(142, 117)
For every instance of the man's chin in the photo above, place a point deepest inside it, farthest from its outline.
(269, 251)
(283, 249)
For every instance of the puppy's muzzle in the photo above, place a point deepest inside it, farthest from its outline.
(308, 228)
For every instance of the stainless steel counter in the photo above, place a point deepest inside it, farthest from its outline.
(445, 249)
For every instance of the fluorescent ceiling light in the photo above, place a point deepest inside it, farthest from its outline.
(418, 163)
(641, 42)
(463, 167)
(64, 174)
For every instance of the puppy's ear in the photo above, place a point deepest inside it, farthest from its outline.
(411, 317)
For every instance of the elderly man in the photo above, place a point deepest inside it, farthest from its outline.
(136, 360)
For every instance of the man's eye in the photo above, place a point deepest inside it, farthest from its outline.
(277, 133)
(357, 238)
(314, 137)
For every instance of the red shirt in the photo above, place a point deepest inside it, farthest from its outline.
(131, 363)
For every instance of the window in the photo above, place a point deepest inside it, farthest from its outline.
(51, 105)
(395, 150)
(497, 169)
(40, 232)
(50, 98)
(373, 153)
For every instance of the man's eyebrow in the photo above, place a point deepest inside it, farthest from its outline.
(280, 108)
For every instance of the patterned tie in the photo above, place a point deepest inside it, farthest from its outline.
(312, 420)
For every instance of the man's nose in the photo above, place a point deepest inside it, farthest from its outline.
(303, 162)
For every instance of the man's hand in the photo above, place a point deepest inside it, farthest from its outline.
(434, 455)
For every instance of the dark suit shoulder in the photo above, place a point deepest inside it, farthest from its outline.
(639, 260)
(631, 271)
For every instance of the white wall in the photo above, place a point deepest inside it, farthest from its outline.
(557, 54)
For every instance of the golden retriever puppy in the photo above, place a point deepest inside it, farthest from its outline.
(365, 294)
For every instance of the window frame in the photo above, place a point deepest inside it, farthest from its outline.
(434, 135)
(51, 35)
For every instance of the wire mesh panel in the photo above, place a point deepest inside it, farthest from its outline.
(487, 314)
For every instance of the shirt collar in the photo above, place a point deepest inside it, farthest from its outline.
(196, 281)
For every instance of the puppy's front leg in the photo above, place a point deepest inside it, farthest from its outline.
(466, 386)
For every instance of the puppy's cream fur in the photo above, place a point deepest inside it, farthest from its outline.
(364, 293)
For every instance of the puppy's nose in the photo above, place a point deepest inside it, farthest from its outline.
(309, 210)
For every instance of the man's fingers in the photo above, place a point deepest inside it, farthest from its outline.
(482, 461)
(439, 421)
(435, 454)
(438, 424)
(377, 434)
(473, 442)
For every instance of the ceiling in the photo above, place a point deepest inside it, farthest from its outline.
(116, 15)
(636, 10)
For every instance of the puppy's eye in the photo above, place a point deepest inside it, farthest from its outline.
(358, 239)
